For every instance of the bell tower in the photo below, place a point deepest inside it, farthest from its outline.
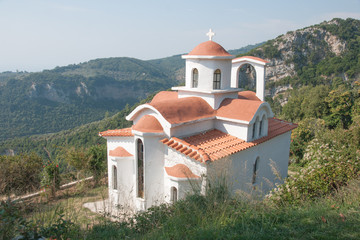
(208, 73)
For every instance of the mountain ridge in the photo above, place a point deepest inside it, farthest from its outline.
(311, 61)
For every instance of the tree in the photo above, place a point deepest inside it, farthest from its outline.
(97, 163)
(20, 173)
(92, 160)
(339, 103)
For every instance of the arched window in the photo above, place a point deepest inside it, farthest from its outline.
(262, 126)
(254, 130)
(255, 169)
(195, 78)
(115, 185)
(174, 196)
(217, 79)
(140, 168)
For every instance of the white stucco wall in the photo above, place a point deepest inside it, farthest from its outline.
(154, 173)
(125, 168)
(192, 128)
(236, 129)
(184, 186)
(123, 195)
(238, 168)
(260, 75)
(206, 69)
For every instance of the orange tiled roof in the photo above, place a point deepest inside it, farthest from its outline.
(164, 96)
(241, 109)
(119, 152)
(248, 95)
(124, 132)
(214, 144)
(148, 123)
(252, 57)
(179, 110)
(209, 48)
(180, 171)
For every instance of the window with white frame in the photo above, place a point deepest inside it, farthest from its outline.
(195, 78)
(174, 195)
(140, 169)
(114, 175)
(217, 79)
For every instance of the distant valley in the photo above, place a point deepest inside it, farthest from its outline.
(68, 106)
(69, 96)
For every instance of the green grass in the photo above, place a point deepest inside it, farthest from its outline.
(212, 217)
(332, 217)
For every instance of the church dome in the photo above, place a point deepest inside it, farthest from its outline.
(209, 48)
(148, 123)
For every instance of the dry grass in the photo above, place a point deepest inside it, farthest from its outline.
(69, 203)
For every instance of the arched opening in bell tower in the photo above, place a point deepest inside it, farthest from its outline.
(247, 77)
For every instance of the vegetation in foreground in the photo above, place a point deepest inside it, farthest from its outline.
(216, 216)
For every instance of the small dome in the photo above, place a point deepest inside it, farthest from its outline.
(180, 171)
(210, 48)
(164, 96)
(119, 152)
(148, 123)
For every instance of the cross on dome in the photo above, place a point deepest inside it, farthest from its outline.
(210, 34)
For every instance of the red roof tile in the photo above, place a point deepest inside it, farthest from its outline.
(164, 96)
(248, 95)
(209, 48)
(251, 57)
(179, 110)
(184, 109)
(241, 109)
(214, 144)
(148, 123)
(125, 132)
(119, 152)
(180, 171)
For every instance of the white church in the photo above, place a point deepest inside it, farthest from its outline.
(209, 128)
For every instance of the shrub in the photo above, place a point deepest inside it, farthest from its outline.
(92, 160)
(51, 177)
(331, 163)
(19, 174)
(302, 135)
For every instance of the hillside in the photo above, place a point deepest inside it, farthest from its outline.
(70, 96)
(321, 54)
(326, 53)
(66, 97)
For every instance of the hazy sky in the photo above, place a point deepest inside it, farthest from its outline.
(43, 34)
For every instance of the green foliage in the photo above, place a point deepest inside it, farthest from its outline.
(198, 217)
(92, 160)
(19, 174)
(60, 229)
(307, 102)
(300, 137)
(51, 177)
(80, 137)
(63, 98)
(13, 225)
(331, 160)
(97, 161)
(334, 106)
(340, 103)
(313, 60)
